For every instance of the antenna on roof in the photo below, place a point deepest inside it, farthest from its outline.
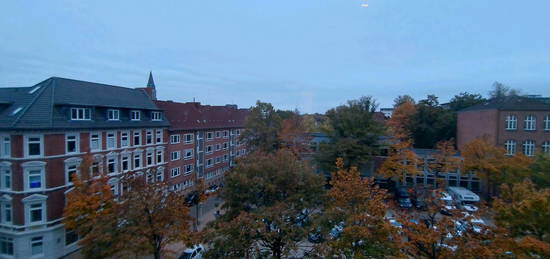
(193, 99)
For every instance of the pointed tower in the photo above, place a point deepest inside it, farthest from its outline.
(150, 89)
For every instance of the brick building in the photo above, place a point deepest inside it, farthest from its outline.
(518, 124)
(203, 141)
(47, 129)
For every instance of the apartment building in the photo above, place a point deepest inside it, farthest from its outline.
(45, 132)
(519, 124)
(204, 141)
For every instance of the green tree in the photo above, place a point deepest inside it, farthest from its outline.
(403, 99)
(500, 91)
(465, 100)
(540, 171)
(266, 191)
(432, 123)
(261, 128)
(354, 133)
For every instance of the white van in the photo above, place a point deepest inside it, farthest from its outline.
(464, 198)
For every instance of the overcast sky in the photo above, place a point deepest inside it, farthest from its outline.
(305, 54)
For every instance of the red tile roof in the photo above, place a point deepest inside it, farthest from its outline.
(193, 115)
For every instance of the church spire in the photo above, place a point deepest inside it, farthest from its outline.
(151, 83)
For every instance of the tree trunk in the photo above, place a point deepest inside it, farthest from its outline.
(157, 253)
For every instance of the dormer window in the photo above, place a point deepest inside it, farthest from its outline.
(113, 115)
(80, 114)
(135, 115)
(156, 116)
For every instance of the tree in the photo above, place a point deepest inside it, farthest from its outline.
(401, 161)
(432, 123)
(354, 134)
(540, 171)
(446, 158)
(402, 121)
(267, 190)
(501, 91)
(152, 217)
(91, 213)
(144, 219)
(360, 205)
(484, 159)
(403, 99)
(261, 128)
(292, 134)
(525, 210)
(432, 235)
(465, 100)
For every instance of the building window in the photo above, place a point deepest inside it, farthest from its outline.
(174, 139)
(209, 163)
(80, 114)
(137, 138)
(510, 146)
(7, 212)
(5, 146)
(546, 147)
(156, 116)
(225, 134)
(149, 158)
(209, 135)
(160, 156)
(137, 161)
(111, 165)
(71, 143)
(71, 170)
(113, 182)
(225, 157)
(6, 245)
(34, 146)
(530, 122)
(238, 132)
(35, 178)
(125, 163)
(160, 174)
(95, 141)
(111, 140)
(188, 138)
(149, 137)
(218, 134)
(70, 237)
(158, 135)
(529, 148)
(36, 212)
(135, 115)
(209, 149)
(225, 145)
(124, 139)
(218, 147)
(547, 122)
(188, 154)
(175, 172)
(36, 246)
(5, 177)
(113, 115)
(188, 169)
(175, 155)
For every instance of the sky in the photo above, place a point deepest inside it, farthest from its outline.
(310, 55)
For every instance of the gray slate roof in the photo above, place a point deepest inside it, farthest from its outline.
(513, 103)
(46, 105)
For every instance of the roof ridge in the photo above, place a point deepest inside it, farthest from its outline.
(33, 100)
(90, 82)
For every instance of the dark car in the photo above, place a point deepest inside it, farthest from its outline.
(315, 236)
(405, 203)
(192, 199)
(419, 203)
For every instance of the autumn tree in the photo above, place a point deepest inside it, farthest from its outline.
(445, 159)
(525, 210)
(91, 213)
(402, 120)
(360, 205)
(152, 217)
(143, 219)
(354, 134)
(484, 159)
(292, 134)
(540, 171)
(401, 161)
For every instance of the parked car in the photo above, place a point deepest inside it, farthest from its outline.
(315, 236)
(448, 206)
(192, 198)
(403, 197)
(194, 252)
(212, 189)
(419, 202)
(337, 230)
